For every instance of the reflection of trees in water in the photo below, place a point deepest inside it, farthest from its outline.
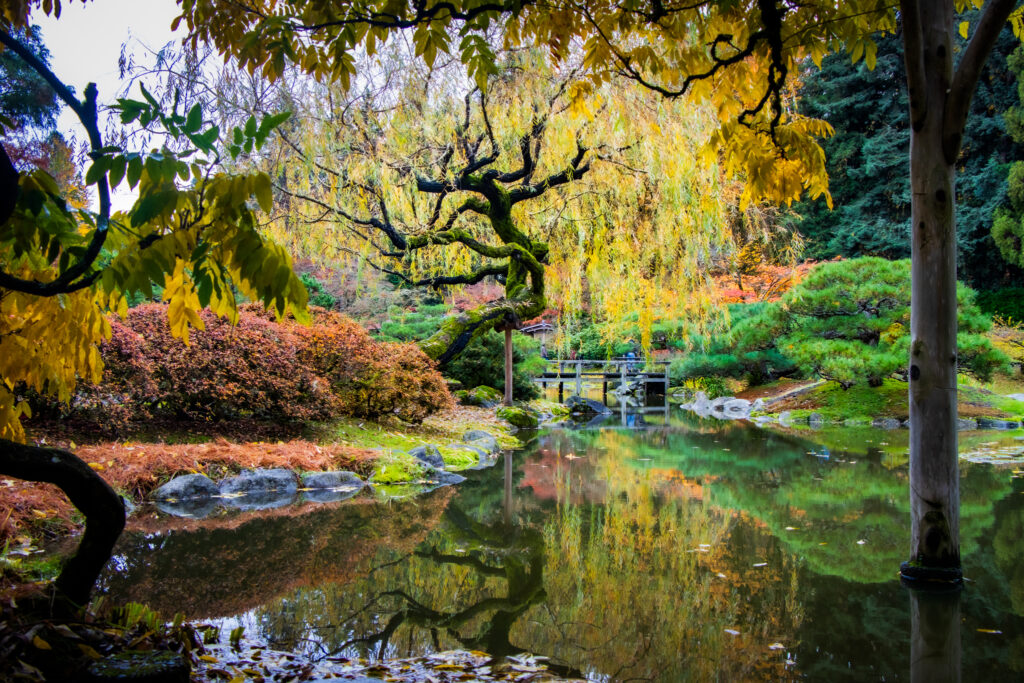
(830, 500)
(631, 595)
(610, 588)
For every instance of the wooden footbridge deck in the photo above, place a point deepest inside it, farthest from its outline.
(620, 372)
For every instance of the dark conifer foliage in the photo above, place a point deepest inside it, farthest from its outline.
(868, 162)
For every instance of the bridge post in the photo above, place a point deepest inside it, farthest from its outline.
(579, 379)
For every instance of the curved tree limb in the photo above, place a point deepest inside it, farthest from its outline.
(103, 509)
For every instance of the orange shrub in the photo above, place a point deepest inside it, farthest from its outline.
(259, 368)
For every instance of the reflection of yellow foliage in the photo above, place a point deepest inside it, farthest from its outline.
(637, 580)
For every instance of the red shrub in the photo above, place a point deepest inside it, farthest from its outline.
(258, 368)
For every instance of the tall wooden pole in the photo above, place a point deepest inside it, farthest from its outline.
(508, 366)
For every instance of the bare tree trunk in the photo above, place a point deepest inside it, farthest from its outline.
(508, 366)
(939, 101)
(934, 475)
(102, 507)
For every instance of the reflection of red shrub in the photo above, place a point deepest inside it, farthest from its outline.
(258, 368)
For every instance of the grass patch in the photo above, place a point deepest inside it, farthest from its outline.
(863, 403)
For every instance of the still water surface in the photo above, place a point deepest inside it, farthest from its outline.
(693, 551)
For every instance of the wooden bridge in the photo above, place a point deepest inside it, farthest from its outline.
(653, 375)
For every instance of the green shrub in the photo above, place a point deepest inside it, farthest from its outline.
(482, 363)
(847, 321)
(1006, 303)
(317, 295)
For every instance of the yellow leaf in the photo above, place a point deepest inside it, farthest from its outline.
(40, 643)
(208, 658)
(964, 25)
(89, 652)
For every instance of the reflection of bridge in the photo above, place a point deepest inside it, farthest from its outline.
(629, 417)
(652, 375)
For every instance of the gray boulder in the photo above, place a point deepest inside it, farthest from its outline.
(965, 424)
(886, 423)
(816, 420)
(477, 438)
(785, 418)
(736, 409)
(757, 405)
(332, 480)
(995, 423)
(259, 481)
(428, 455)
(585, 406)
(443, 477)
(185, 487)
(719, 403)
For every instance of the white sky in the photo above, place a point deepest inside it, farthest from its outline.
(85, 44)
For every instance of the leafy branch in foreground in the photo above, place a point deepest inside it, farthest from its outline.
(191, 230)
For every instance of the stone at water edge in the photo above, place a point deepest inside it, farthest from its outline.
(757, 405)
(966, 424)
(481, 439)
(518, 417)
(428, 454)
(261, 480)
(185, 487)
(737, 409)
(816, 420)
(331, 480)
(444, 477)
(785, 418)
(579, 405)
(886, 423)
(995, 423)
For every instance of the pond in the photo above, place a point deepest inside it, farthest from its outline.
(683, 551)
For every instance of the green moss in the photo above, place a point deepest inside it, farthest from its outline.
(458, 458)
(397, 467)
(518, 417)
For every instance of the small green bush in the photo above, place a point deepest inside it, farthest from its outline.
(1006, 303)
(482, 363)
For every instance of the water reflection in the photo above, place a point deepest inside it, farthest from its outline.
(694, 552)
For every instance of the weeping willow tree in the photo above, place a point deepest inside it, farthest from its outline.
(604, 192)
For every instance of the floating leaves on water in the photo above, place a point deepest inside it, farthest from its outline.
(989, 630)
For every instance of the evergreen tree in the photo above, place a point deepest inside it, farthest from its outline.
(868, 164)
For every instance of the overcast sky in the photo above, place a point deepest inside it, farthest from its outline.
(85, 44)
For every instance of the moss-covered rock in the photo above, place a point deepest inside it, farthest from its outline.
(484, 396)
(518, 417)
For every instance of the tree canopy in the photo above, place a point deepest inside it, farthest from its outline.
(192, 230)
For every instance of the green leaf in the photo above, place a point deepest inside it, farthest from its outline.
(117, 168)
(194, 120)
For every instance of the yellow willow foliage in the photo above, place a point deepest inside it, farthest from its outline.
(45, 344)
(632, 237)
